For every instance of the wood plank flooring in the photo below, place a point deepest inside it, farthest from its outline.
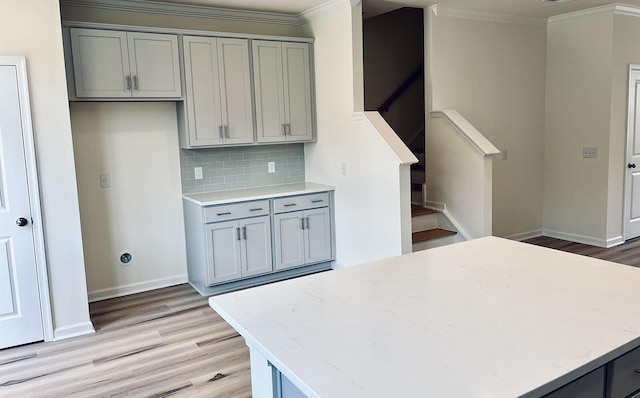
(166, 343)
(163, 343)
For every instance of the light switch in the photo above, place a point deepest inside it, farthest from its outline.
(589, 152)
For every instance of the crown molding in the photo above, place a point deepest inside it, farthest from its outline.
(326, 8)
(156, 7)
(612, 9)
(445, 11)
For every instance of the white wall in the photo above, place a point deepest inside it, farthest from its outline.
(137, 143)
(367, 199)
(31, 28)
(493, 73)
(578, 103)
(142, 211)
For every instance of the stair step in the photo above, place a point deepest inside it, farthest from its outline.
(419, 211)
(430, 234)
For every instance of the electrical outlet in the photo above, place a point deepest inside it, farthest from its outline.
(589, 153)
(105, 180)
(271, 166)
(198, 172)
(505, 154)
(343, 168)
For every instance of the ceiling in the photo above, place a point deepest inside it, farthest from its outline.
(523, 8)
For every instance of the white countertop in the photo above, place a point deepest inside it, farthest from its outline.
(238, 195)
(484, 318)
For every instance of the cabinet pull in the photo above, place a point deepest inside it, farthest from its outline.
(220, 132)
(238, 233)
(135, 82)
(244, 233)
(226, 131)
(223, 214)
(290, 204)
(302, 223)
(307, 218)
(317, 201)
(284, 129)
(128, 79)
(289, 128)
(256, 209)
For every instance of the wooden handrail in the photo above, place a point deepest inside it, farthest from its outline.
(401, 89)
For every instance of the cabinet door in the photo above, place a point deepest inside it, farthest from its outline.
(592, 385)
(223, 252)
(317, 235)
(155, 69)
(297, 91)
(289, 240)
(267, 77)
(100, 63)
(256, 246)
(235, 90)
(204, 117)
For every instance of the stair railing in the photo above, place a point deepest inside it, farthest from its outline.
(401, 89)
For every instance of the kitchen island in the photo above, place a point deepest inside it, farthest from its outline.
(483, 318)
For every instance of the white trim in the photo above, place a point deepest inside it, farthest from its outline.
(612, 9)
(587, 240)
(205, 33)
(447, 11)
(634, 69)
(133, 288)
(456, 224)
(326, 9)
(387, 136)
(183, 10)
(34, 193)
(437, 206)
(467, 131)
(525, 235)
(67, 332)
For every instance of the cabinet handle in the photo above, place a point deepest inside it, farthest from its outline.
(220, 132)
(289, 128)
(302, 223)
(226, 131)
(317, 201)
(223, 214)
(238, 233)
(307, 218)
(290, 204)
(284, 129)
(135, 82)
(256, 209)
(128, 79)
(244, 233)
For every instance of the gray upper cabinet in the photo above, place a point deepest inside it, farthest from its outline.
(218, 104)
(282, 78)
(117, 64)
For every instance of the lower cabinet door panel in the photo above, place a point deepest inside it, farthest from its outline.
(591, 385)
(625, 375)
(317, 235)
(289, 242)
(223, 252)
(256, 246)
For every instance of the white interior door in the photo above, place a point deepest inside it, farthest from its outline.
(20, 314)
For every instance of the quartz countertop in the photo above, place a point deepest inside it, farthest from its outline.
(484, 318)
(240, 195)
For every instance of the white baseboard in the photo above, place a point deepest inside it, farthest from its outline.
(587, 240)
(525, 235)
(79, 329)
(618, 240)
(139, 287)
(434, 205)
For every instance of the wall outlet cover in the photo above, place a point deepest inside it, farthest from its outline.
(271, 166)
(198, 172)
(105, 180)
(589, 152)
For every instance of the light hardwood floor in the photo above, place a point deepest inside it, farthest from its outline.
(165, 343)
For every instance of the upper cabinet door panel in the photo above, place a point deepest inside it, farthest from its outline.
(297, 91)
(235, 86)
(100, 63)
(268, 75)
(155, 68)
(202, 91)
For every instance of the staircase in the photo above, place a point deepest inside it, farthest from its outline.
(430, 228)
(418, 174)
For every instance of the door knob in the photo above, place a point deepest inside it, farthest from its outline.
(631, 165)
(21, 222)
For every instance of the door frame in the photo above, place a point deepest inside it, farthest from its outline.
(34, 192)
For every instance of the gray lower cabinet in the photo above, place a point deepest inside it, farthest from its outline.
(302, 237)
(624, 375)
(237, 249)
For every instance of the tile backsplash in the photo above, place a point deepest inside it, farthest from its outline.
(241, 167)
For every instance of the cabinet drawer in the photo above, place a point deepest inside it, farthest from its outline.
(302, 202)
(625, 376)
(235, 211)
